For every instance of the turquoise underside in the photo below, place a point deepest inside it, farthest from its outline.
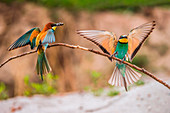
(121, 49)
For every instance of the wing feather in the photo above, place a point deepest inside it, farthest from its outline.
(137, 36)
(107, 41)
(22, 41)
(48, 37)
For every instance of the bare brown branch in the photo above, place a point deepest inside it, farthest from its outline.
(96, 52)
(14, 57)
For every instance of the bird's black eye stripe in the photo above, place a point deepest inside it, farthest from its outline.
(123, 36)
(53, 25)
(120, 37)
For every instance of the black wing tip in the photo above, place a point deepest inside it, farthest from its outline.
(153, 26)
(10, 48)
(154, 23)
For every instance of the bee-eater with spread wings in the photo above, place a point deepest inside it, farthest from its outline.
(123, 48)
(39, 39)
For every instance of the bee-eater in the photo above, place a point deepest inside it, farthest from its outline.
(123, 48)
(39, 39)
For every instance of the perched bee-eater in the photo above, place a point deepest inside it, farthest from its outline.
(39, 39)
(123, 48)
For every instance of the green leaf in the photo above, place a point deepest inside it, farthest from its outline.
(95, 74)
(139, 83)
(113, 93)
(97, 92)
(3, 91)
(26, 79)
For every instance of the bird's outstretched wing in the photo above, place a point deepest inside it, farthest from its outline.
(107, 41)
(48, 37)
(23, 40)
(137, 36)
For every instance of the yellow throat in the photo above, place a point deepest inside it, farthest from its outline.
(123, 40)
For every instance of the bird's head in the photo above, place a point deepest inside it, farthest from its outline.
(123, 39)
(52, 25)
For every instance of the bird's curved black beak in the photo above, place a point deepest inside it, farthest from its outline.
(59, 24)
(54, 26)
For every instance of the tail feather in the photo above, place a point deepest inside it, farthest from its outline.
(128, 77)
(117, 78)
(46, 64)
(132, 75)
(41, 68)
(125, 84)
(38, 67)
(42, 65)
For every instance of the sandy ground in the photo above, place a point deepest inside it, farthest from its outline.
(150, 98)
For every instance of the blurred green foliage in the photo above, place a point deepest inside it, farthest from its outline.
(112, 93)
(141, 61)
(162, 49)
(47, 87)
(97, 5)
(139, 83)
(95, 89)
(87, 88)
(95, 77)
(3, 91)
(97, 92)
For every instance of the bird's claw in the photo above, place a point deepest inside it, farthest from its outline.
(123, 59)
(115, 53)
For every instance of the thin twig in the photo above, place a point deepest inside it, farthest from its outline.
(96, 52)
(14, 57)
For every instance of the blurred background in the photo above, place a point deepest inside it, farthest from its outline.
(77, 70)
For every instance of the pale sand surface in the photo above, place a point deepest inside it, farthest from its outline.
(150, 98)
